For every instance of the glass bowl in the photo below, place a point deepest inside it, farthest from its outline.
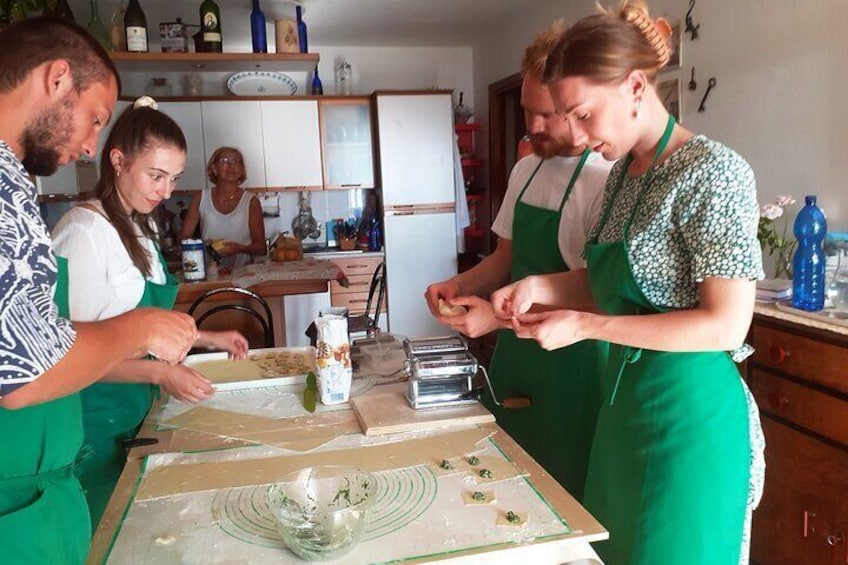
(321, 512)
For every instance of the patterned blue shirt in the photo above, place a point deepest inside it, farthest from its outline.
(32, 336)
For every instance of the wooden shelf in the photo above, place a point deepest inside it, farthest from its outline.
(214, 62)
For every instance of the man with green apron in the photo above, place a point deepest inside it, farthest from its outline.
(550, 206)
(113, 412)
(44, 360)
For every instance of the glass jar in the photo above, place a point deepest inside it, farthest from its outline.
(158, 88)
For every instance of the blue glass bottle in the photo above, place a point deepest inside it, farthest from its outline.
(317, 87)
(375, 237)
(301, 30)
(808, 264)
(257, 29)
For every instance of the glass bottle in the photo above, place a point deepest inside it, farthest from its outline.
(257, 29)
(210, 24)
(135, 26)
(317, 87)
(301, 30)
(808, 264)
(96, 28)
(343, 78)
(116, 29)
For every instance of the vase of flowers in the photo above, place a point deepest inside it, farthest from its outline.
(773, 236)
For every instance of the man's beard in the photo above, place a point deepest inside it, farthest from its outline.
(546, 147)
(46, 136)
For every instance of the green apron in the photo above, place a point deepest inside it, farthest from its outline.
(113, 412)
(564, 386)
(668, 475)
(43, 514)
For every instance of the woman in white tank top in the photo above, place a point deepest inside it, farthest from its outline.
(229, 216)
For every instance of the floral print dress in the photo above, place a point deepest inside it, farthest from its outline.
(697, 218)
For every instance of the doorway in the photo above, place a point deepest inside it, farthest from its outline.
(506, 128)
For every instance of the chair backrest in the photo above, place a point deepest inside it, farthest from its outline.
(265, 321)
(378, 287)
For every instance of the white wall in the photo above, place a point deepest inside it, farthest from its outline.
(780, 66)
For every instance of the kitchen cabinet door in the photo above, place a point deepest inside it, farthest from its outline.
(239, 125)
(63, 181)
(416, 149)
(292, 144)
(188, 117)
(299, 311)
(346, 139)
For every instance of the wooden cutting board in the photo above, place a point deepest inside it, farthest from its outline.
(385, 410)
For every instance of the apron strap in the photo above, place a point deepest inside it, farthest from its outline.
(529, 180)
(39, 478)
(573, 179)
(646, 178)
(602, 222)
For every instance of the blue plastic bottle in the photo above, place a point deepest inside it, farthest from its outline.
(301, 31)
(808, 276)
(257, 29)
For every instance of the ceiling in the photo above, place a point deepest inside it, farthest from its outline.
(345, 22)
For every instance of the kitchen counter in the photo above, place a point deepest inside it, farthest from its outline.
(336, 253)
(769, 310)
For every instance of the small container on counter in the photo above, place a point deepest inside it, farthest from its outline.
(194, 259)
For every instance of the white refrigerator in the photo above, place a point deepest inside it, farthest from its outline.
(419, 201)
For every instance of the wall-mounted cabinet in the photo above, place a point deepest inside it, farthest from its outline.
(346, 141)
(292, 144)
(236, 124)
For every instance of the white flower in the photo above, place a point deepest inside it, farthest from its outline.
(771, 211)
(784, 201)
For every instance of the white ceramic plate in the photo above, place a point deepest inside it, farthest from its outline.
(261, 83)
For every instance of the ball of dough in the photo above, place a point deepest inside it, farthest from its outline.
(447, 310)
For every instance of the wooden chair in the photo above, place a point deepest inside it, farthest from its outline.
(262, 315)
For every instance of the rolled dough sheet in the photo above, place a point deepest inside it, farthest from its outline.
(177, 479)
(296, 434)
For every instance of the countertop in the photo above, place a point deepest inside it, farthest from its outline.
(818, 322)
(336, 253)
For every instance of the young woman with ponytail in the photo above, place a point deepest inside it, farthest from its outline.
(108, 250)
(676, 463)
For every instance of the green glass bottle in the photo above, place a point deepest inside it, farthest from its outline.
(96, 28)
(210, 24)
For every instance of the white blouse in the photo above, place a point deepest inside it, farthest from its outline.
(103, 282)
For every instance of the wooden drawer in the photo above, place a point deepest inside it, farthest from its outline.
(355, 302)
(358, 265)
(810, 359)
(804, 512)
(816, 411)
(356, 284)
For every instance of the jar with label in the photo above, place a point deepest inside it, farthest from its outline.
(194, 259)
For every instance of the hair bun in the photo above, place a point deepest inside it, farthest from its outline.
(656, 33)
(145, 102)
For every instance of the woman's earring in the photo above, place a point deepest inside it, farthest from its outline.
(117, 172)
(638, 106)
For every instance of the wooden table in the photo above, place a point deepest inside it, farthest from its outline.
(272, 291)
(549, 550)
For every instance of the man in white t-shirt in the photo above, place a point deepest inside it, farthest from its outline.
(551, 204)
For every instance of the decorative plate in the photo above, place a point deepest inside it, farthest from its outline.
(261, 83)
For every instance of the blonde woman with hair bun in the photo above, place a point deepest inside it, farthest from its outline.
(676, 461)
